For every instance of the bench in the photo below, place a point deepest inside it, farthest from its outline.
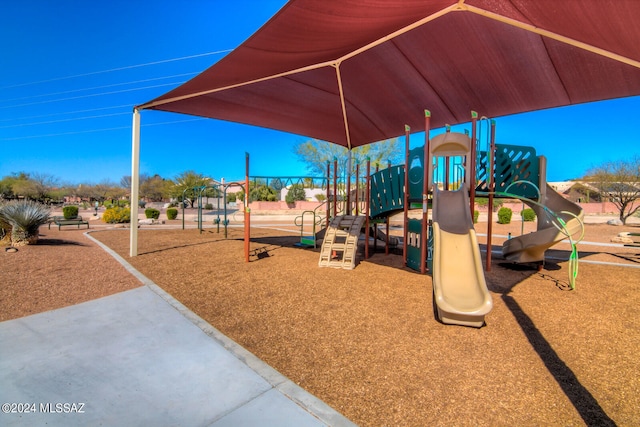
(61, 221)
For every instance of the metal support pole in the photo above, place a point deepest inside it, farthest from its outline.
(135, 183)
(247, 211)
(367, 203)
(492, 185)
(446, 173)
(348, 210)
(328, 193)
(472, 163)
(357, 185)
(405, 245)
(425, 194)
(335, 187)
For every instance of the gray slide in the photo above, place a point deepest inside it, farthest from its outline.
(460, 292)
(531, 247)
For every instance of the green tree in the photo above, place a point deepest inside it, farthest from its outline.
(155, 188)
(296, 192)
(185, 184)
(315, 154)
(263, 193)
(22, 186)
(6, 188)
(619, 181)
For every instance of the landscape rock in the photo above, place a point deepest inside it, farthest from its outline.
(615, 221)
(621, 239)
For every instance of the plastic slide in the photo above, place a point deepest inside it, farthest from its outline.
(460, 292)
(531, 247)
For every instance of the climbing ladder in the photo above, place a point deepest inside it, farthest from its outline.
(340, 244)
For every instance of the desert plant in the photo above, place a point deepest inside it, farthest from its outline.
(208, 206)
(296, 192)
(484, 201)
(476, 215)
(528, 215)
(70, 211)
(117, 215)
(321, 197)
(5, 229)
(263, 193)
(22, 220)
(152, 213)
(231, 197)
(504, 215)
(172, 213)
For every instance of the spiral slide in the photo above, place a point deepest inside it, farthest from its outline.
(460, 292)
(531, 247)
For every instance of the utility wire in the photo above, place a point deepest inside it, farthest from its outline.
(89, 96)
(69, 112)
(64, 120)
(164, 61)
(98, 87)
(97, 130)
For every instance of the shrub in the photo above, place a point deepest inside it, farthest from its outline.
(321, 197)
(208, 206)
(263, 193)
(476, 214)
(21, 221)
(70, 212)
(152, 213)
(484, 201)
(296, 192)
(528, 215)
(504, 215)
(172, 213)
(117, 215)
(231, 197)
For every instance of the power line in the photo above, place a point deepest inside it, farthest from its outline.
(97, 130)
(69, 112)
(63, 120)
(164, 61)
(98, 87)
(89, 96)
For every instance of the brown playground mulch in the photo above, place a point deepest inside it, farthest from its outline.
(365, 341)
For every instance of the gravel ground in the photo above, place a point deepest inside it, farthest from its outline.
(365, 341)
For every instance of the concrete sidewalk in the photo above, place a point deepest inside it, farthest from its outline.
(140, 358)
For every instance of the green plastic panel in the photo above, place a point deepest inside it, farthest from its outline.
(387, 191)
(513, 163)
(416, 174)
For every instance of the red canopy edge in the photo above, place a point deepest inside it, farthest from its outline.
(354, 72)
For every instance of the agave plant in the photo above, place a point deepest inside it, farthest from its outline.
(5, 229)
(22, 219)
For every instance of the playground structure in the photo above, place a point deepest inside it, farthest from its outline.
(446, 174)
(459, 167)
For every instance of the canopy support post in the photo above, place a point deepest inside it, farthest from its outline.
(135, 183)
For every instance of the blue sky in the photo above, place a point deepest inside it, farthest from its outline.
(71, 72)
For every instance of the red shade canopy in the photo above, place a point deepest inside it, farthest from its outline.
(354, 72)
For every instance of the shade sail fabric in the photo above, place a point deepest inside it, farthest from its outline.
(354, 72)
